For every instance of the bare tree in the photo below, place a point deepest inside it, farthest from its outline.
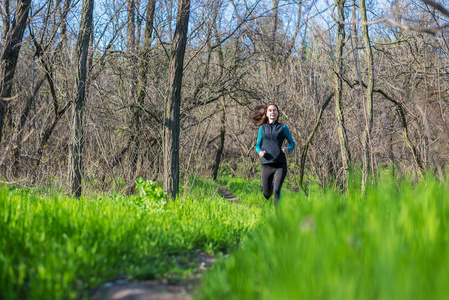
(77, 131)
(142, 79)
(135, 120)
(338, 93)
(10, 55)
(171, 131)
(305, 148)
(58, 112)
(266, 49)
(369, 98)
(5, 19)
(48, 60)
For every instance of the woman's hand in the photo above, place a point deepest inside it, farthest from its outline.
(261, 153)
(284, 149)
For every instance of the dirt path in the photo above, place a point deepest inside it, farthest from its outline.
(124, 289)
(227, 194)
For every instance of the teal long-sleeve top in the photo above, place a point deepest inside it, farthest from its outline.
(270, 139)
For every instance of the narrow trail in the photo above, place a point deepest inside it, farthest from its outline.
(165, 289)
(227, 194)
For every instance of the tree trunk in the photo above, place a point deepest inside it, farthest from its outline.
(274, 29)
(5, 20)
(338, 91)
(13, 43)
(172, 109)
(77, 134)
(219, 153)
(65, 10)
(141, 83)
(369, 99)
(145, 52)
(135, 121)
(297, 28)
(131, 36)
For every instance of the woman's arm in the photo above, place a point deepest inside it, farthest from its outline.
(259, 141)
(288, 136)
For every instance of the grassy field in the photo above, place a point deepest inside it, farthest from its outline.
(391, 244)
(56, 247)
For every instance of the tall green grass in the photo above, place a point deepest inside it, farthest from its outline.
(56, 247)
(391, 244)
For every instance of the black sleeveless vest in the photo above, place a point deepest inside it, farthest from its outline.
(272, 139)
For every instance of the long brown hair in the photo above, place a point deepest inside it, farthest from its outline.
(260, 115)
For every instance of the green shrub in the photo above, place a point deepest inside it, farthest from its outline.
(149, 195)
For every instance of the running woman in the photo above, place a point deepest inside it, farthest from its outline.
(269, 147)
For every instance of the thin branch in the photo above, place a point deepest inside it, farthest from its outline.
(401, 112)
(437, 6)
(305, 148)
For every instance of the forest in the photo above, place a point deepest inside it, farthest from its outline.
(95, 94)
(128, 160)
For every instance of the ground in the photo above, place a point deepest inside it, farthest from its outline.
(125, 289)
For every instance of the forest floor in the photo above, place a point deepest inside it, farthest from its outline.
(165, 289)
(227, 194)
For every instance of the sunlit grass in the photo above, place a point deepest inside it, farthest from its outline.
(391, 244)
(55, 247)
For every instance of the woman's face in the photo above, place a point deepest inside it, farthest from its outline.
(272, 113)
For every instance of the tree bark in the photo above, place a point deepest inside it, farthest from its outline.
(131, 36)
(5, 20)
(297, 27)
(135, 121)
(13, 43)
(77, 130)
(219, 153)
(65, 10)
(172, 109)
(369, 99)
(274, 29)
(338, 91)
(145, 52)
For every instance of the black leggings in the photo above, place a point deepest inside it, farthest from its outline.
(276, 171)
